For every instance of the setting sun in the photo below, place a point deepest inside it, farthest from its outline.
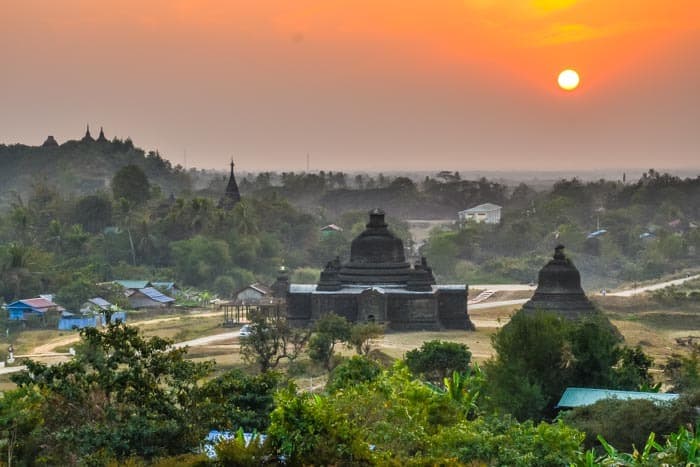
(568, 80)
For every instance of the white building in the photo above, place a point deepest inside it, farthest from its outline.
(488, 212)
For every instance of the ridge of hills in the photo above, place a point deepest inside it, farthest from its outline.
(82, 166)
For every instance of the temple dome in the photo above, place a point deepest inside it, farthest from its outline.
(377, 244)
(376, 256)
(559, 288)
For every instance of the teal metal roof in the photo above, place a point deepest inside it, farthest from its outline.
(133, 284)
(579, 397)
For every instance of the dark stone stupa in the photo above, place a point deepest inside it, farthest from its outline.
(50, 142)
(231, 196)
(378, 284)
(559, 289)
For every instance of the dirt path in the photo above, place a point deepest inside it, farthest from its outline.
(49, 347)
(648, 288)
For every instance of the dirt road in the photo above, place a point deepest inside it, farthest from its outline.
(649, 288)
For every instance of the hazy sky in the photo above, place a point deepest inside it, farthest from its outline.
(360, 84)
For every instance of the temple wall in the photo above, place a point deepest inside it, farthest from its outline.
(341, 305)
(299, 308)
(413, 312)
(452, 310)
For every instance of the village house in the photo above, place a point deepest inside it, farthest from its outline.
(39, 310)
(148, 297)
(488, 213)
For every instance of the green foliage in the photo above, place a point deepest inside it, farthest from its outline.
(93, 213)
(503, 441)
(307, 430)
(131, 183)
(355, 370)
(22, 267)
(362, 334)
(465, 388)
(436, 360)
(539, 355)
(236, 400)
(641, 417)
(199, 260)
(20, 419)
(237, 451)
(683, 372)
(681, 449)
(121, 395)
(329, 330)
(271, 340)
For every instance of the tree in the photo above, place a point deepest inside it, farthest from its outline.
(539, 355)
(200, 260)
(356, 370)
(20, 417)
(93, 212)
(361, 336)
(131, 183)
(683, 372)
(436, 360)
(236, 400)
(271, 340)
(330, 330)
(121, 395)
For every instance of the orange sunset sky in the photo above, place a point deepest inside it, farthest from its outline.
(361, 84)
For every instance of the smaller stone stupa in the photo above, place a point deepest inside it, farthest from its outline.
(559, 289)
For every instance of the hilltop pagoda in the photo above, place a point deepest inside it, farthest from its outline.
(88, 137)
(101, 138)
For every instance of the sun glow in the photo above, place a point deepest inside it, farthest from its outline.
(568, 80)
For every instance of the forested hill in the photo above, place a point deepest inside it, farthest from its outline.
(81, 167)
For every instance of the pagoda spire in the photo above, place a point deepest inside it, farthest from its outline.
(101, 137)
(232, 195)
(88, 137)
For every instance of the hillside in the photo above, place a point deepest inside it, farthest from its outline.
(81, 166)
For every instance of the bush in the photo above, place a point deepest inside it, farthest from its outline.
(641, 417)
(436, 360)
(503, 441)
(354, 371)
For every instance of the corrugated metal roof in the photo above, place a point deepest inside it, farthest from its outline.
(579, 397)
(164, 285)
(486, 207)
(383, 289)
(39, 305)
(302, 288)
(127, 284)
(101, 302)
(156, 295)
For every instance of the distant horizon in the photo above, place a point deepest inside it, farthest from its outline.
(191, 164)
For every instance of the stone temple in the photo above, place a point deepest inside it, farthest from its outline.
(378, 284)
(559, 289)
